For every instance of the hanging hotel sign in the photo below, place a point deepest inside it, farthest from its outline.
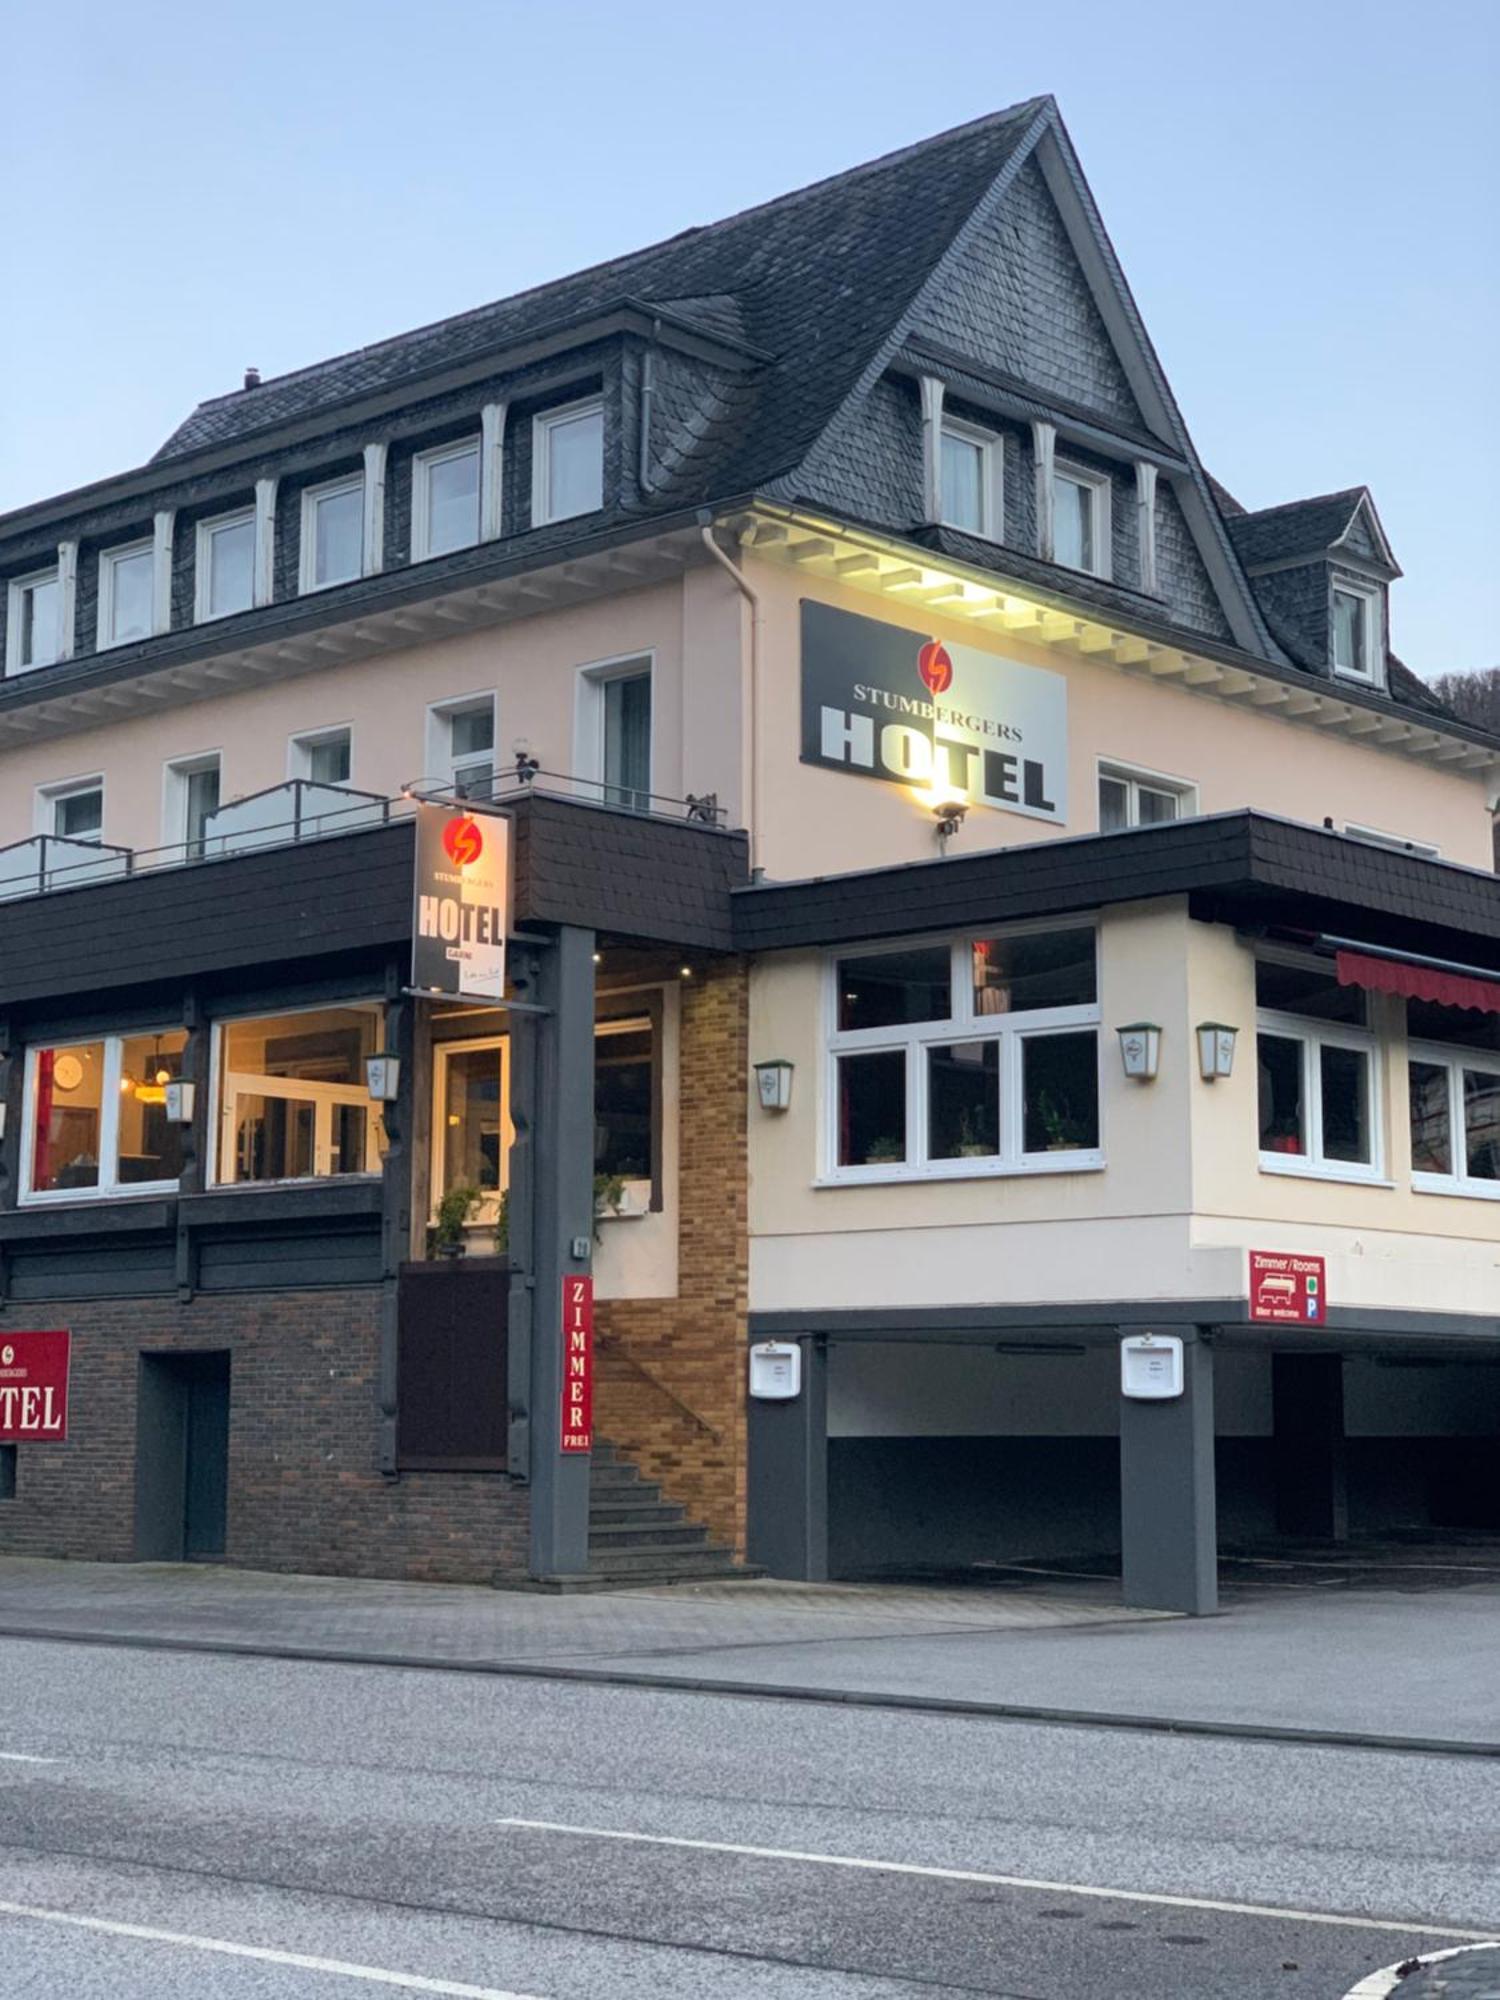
(578, 1364)
(460, 911)
(34, 1387)
(1288, 1290)
(886, 703)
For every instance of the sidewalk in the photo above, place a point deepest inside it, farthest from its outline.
(1358, 1662)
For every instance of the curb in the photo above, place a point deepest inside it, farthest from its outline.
(1076, 1718)
(1390, 1978)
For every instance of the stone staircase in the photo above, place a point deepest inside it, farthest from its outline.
(636, 1537)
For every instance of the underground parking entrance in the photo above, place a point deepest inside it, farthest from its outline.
(1009, 1459)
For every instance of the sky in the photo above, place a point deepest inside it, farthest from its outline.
(1303, 194)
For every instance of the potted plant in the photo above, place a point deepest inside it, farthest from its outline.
(609, 1197)
(972, 1144)
(446, 1236)
(884, 1152)
(1065, 1133)
(1284, 1135)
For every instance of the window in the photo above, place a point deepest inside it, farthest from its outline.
(32, 628)
(1372, 838)
(445, 499)
(224, 576)
(1316, 1071)
(1081, 519)
(127, 594)
(191, 794)
(1356, 634)
(956, 1058)
(1453, 1089)
(333, 533)
(293, 1102)
(567, 462)
(96, 1120)
(626, 1116)
(612, 732)
(1128, 797)
(324, 756)
(461, 746)
(972, 479)
(74, 811)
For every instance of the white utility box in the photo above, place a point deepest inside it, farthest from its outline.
(1151, 1367)
(775, 1371)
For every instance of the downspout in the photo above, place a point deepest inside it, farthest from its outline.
(751, 701)
(648, 397)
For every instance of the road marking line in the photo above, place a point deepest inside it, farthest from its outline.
(1009, 1881)
(411, 1982)
(20, 1757)
(1382, 1984)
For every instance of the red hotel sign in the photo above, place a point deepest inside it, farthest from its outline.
(33, 1387)
(578, 1364)
(1290, 1290)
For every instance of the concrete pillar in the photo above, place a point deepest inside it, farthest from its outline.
(1307, 1420)
(1168, 1523)
(552, 1233)
(787, 1525)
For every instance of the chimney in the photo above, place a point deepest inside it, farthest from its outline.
(252, 378)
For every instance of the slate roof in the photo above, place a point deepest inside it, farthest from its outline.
(1295, 528)
(816, 278)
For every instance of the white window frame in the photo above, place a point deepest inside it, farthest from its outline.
(439, 759)
(542, 425)
(991, 477)
(15, 601)
(487, 1214)
(44, 818)
(1137, 777)
(421, 493)
(1368, 595)
(1398, 843)
(588, 716)
(174, 792)
(241, 517)
(1313, 1036)
(112, 1189)
(347, 482)
(304, 740)
(225, 1086)
(965, 1024)
(109, 562)
(1101, 486)
(1455, 1060)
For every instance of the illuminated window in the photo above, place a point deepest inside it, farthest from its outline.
(96, 1120)
(293, 1101)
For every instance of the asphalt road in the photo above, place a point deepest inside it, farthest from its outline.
(261, 1828)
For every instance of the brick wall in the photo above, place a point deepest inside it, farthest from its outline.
(694, 1344)
(304, 1492)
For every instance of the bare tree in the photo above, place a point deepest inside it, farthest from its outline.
(1474, 697)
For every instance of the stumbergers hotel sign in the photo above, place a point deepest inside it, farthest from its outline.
(886, 703)
(460, 912)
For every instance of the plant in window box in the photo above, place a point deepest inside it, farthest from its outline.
(1065, 1132)
(609, 1196)
(885, 1152)
(1283, 1135)
(972, 1144)
(446, 1236)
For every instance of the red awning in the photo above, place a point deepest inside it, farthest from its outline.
(1414, 981)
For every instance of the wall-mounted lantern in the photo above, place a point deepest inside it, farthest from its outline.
(949, 813)
(773, 1083)
(1215, 1049)
(1140, 1049)
(383, 1076)
(179, 1100)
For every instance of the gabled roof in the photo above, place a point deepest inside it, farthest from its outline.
(814, 278)
(1310, 527)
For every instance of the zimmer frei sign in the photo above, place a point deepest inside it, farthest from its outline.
(885, 703)
(461, 908)
(34, 1388)
(578, 1364)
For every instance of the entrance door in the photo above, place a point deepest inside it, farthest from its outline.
(182, 1457)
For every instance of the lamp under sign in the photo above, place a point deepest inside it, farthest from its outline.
(179, 1099)
(1215, 1049)
(1140, 1049)
(773, 1083)
(383, 1077)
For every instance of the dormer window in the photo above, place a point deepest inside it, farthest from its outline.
(972, 473)
(32, 626)
(1356, 633)
(445, 499)
(127, 580)
(567, 462)
(333, 528)
(1081, 519)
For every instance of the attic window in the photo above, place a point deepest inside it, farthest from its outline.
(1080, 519)
(567, 461)
(972, 470)
(1355, 626)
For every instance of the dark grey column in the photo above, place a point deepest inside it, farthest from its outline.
(395, 1210)
(560, 1158)
(196, 1137)
(787, 1524)
(1168, 1523)
(1307, 1419)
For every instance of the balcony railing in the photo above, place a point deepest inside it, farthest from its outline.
(298, 810)
(55, 861)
